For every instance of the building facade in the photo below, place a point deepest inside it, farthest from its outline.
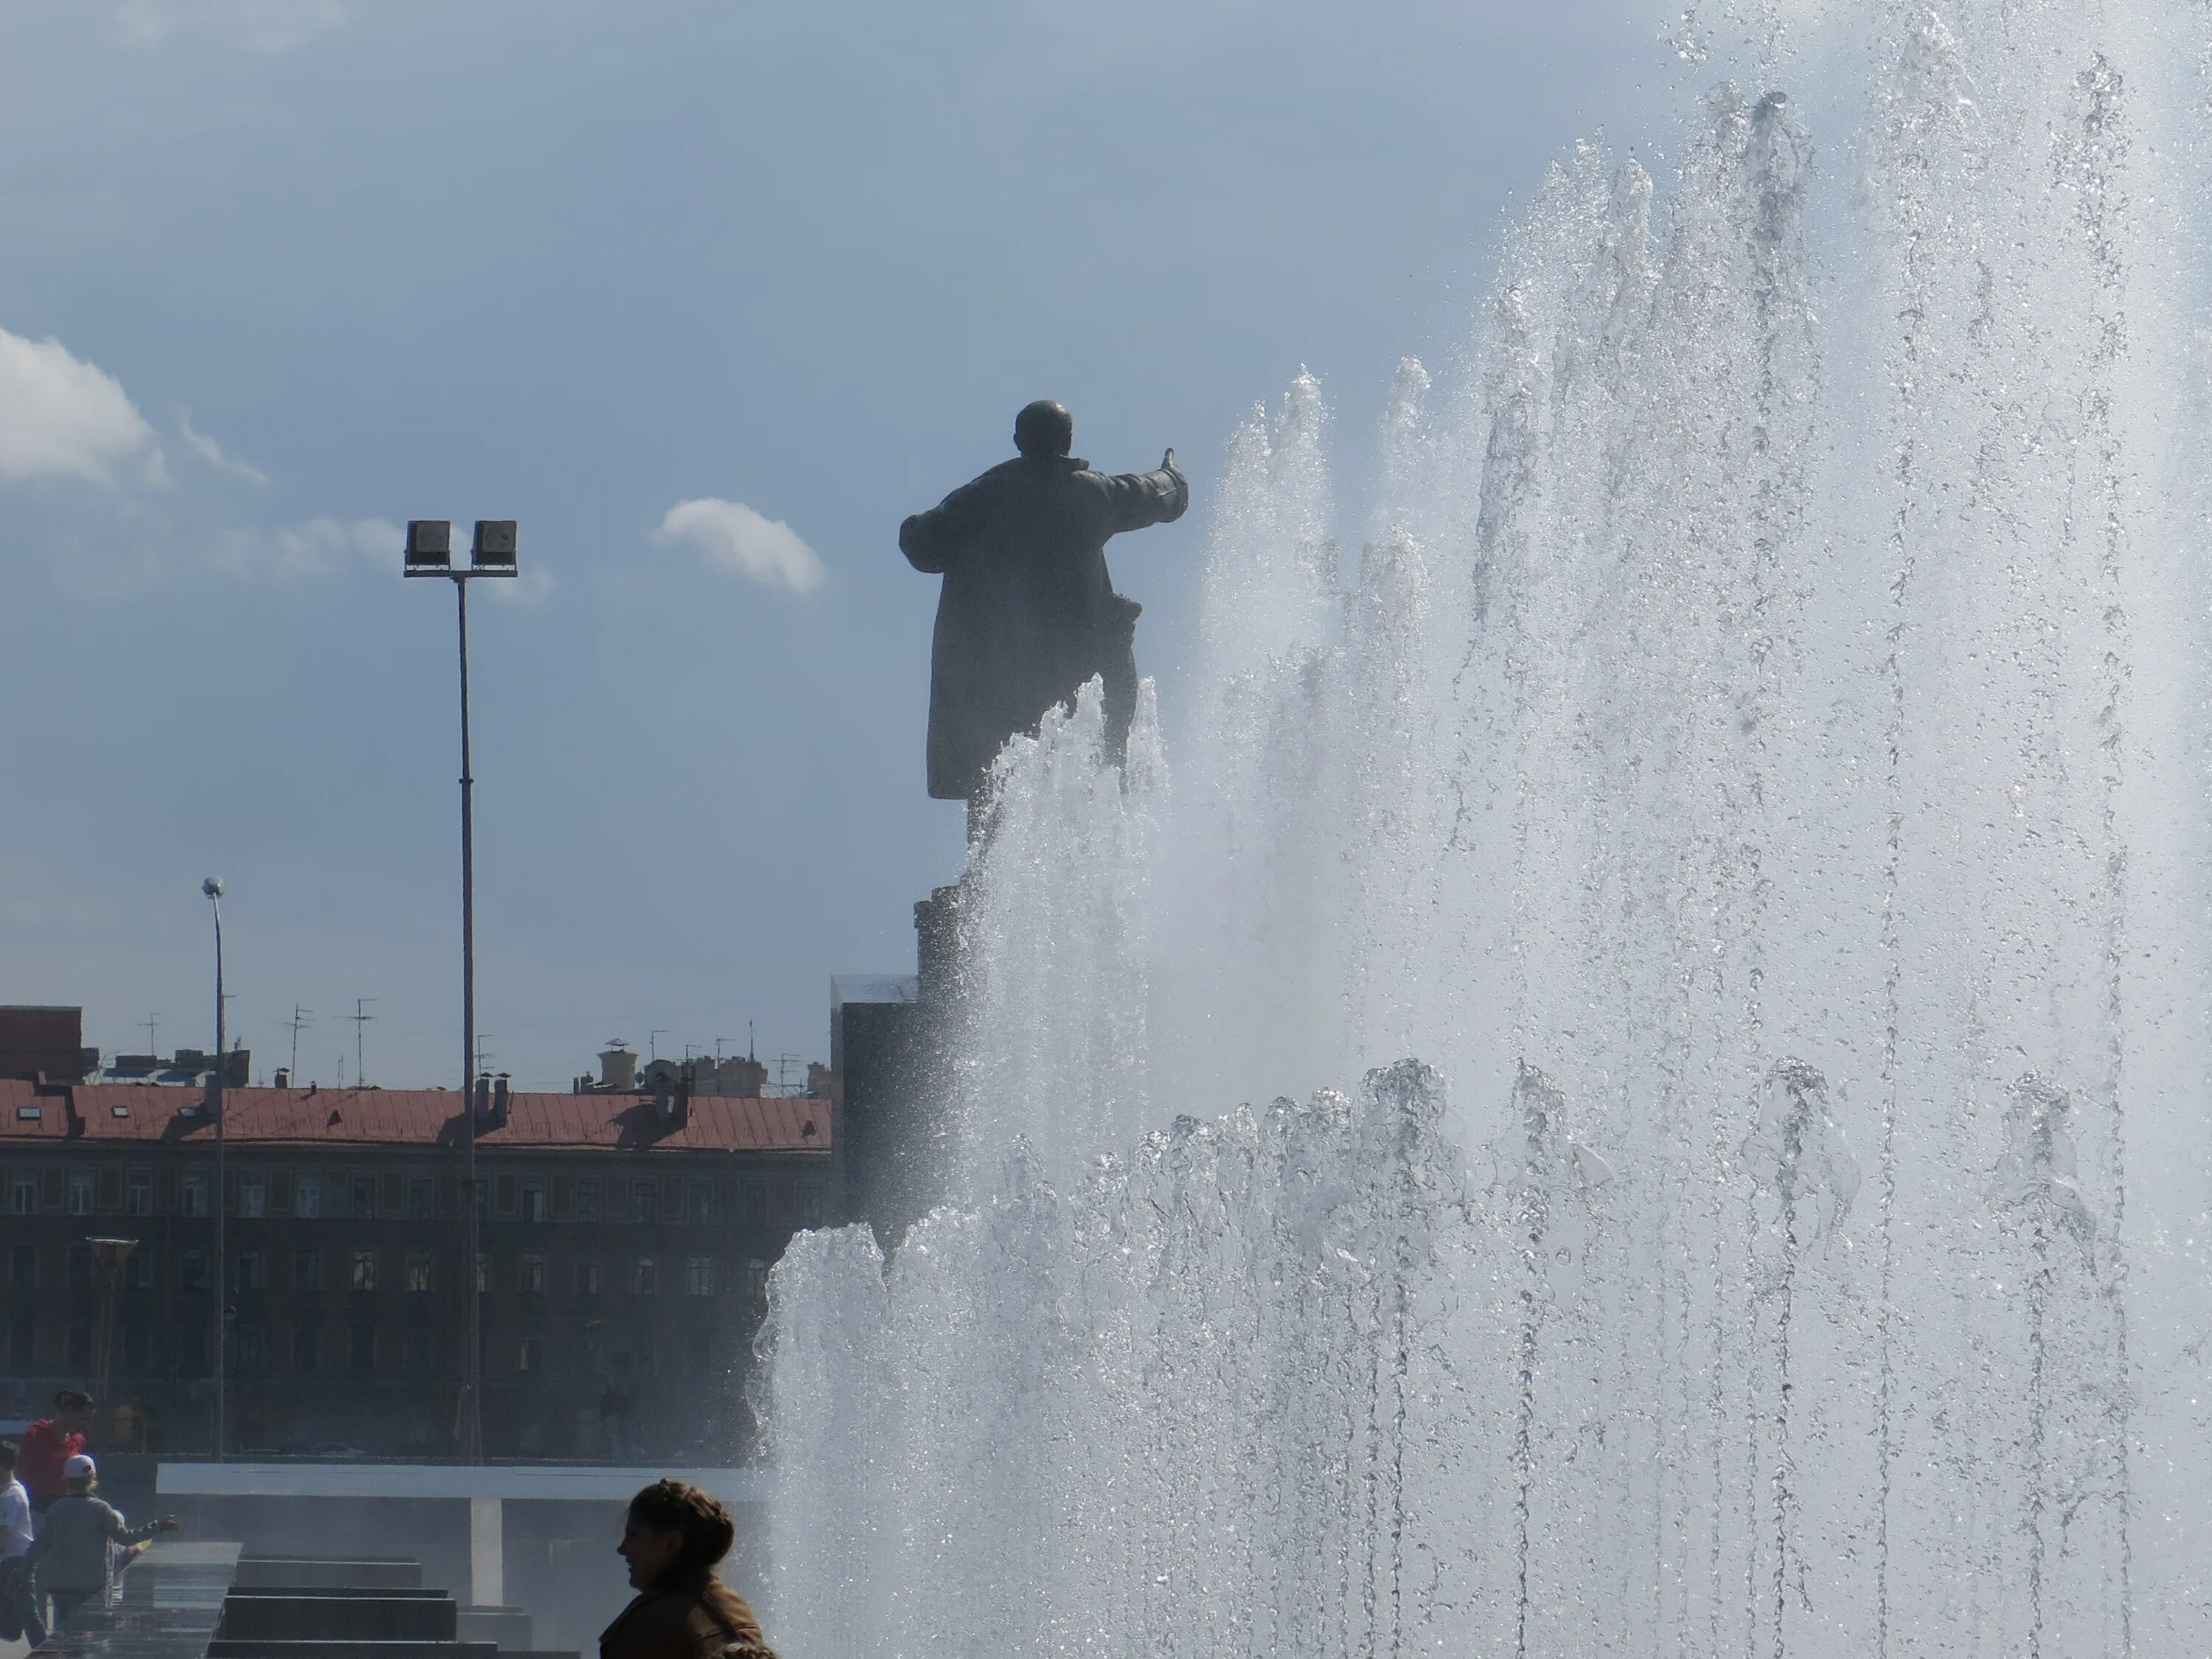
(625, 1245)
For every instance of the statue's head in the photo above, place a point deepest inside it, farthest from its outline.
(1044, 427)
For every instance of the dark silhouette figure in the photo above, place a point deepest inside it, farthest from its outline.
(672, 1536)
(1028, 613)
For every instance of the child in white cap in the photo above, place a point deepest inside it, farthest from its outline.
(71, 1551)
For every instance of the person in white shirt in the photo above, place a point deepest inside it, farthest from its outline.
(19, 1605)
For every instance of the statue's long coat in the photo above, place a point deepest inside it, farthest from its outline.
(1028, 612)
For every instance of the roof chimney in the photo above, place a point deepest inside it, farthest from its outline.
(618, 1069)
(499, 1100)
(480, 1100)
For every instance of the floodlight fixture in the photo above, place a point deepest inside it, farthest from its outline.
(429, 547)
(492, 553)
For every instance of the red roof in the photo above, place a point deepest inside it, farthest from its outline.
(405, 1117)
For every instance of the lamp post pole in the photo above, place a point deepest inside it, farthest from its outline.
(429, 553)
(213, 889)
(471, 1289)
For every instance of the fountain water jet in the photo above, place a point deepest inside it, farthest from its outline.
(1757, 724)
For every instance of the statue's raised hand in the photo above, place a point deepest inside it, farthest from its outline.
(1167, 462)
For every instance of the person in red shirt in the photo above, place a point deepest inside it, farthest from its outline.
(49, 1443)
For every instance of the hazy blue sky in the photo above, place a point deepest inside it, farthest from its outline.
(277, 273)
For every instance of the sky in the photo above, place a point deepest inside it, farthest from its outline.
(708, 296)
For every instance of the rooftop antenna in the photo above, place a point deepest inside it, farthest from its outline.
(653, 1043)
(152, 1024)
(360, 1017)
(749, 1054)
(719, 1041)
(301, 1017)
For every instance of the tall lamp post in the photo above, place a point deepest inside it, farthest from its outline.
(213, 889)
(430, 553)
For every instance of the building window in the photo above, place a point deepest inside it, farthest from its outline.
(699, 1350)
(253, 1197)
(138, 1269)
(311, 1199)
(587, 1200)
(364, 1196)
(698, 1276)
(587, 1275)
(306, 1348)
(364, 1270)
(530, 1279)
(250, 1348)
(22, 1338)
(415, 1354)
(533, 1200)
(531, 1355)
(810, 1206)
(80, 1266)
(307, 1270)
(80, 1192)
(642, 1277)
(363, 1354)
(505, 1187)
(138, 1193)
(756, 1203)
(755, 1279)
(646, 1198)
(192, 1347)
(27, 1195)
(702, 1201)
(280, 1194)
(421, 1198)
(23, 1265)
(191, 1271)
(251, 1274)
(195, 1194)
(79, 1345)
(418, 1271)
(484, 1271)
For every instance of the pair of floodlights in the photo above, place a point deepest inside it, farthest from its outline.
(430, 548)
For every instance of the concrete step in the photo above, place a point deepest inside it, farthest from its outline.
(328, 1572)
(392, 1616)
(358, 1592)
(508, 1627)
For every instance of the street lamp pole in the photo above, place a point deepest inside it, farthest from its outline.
(429, 553)
(213, 889)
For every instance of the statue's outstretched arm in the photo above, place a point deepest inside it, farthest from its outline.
(923, 539)
(1137, 499)
(933, 541)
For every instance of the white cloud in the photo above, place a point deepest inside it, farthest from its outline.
(320, 546)
(270, 26)
(61, 417)
(532, 589)
(732, 537)
(211, 452)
